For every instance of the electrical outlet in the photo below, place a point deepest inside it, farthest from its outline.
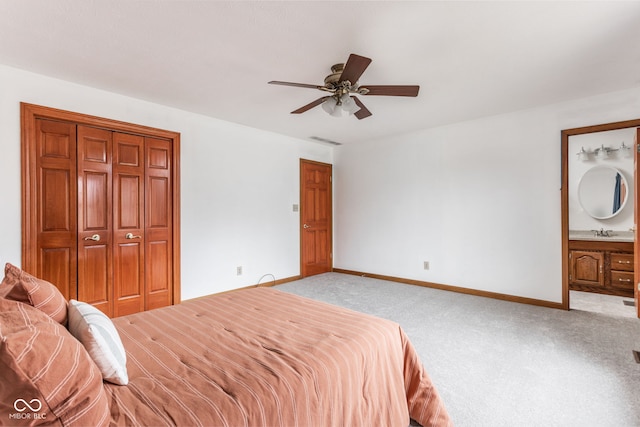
(426, 265)
(239, 270)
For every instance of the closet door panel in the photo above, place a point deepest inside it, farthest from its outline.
(58, 266)
(54, 191)
(159, 271)
(159, 219)
(93, 276)
(56, 197)
(100, 209)
(128, 212)
(95, 258)
(128, 199)
(96, 204)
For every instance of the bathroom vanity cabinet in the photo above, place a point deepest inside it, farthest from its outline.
(601, 266)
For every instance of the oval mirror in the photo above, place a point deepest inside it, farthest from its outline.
(602, 192)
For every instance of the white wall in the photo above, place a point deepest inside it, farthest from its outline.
(479, 200)
(578, 218)
(238, 184)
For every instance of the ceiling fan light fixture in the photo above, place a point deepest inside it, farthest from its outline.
(348, 104)
(330, 105)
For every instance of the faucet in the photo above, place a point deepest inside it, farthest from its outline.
(602, 233)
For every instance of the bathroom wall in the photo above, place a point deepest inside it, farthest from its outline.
(578, 218)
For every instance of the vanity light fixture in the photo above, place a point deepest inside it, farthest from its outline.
(583, 155)
(603, 152)
(626, 150)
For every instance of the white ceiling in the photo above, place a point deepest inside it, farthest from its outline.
(471, 59)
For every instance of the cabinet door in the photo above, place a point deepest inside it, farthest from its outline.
(587, 268)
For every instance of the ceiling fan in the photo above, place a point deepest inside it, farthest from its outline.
(342, 83)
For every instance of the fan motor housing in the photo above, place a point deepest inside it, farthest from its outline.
(336, 72)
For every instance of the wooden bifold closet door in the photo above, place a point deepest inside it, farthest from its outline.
(100, 214)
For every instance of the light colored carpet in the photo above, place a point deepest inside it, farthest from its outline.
(498, 363)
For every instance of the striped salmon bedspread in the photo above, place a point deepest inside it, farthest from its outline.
(262, 357)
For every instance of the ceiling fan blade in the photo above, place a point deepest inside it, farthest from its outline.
(310, 105)
(391, 90)
(354, 68)
(274, 82)
(363, 112)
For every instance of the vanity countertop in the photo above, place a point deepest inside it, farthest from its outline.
(614, 236)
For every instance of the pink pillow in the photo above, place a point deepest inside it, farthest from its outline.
(47, 375)
(18, 285)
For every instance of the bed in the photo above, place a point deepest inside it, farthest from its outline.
(253, 357)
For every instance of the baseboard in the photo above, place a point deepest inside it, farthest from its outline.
(267, 284)
(259, 285)
(277, 282)
(461, 290)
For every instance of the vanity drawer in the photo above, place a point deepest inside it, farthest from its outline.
(622, 279)
(622, 262)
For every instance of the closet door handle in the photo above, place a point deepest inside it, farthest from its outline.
(95, 238)
(131, 236)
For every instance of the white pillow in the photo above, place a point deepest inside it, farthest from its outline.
(99, 336)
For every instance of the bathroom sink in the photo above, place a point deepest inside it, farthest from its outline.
(614, 236)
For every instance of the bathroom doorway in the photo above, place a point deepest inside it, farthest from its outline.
(600, 253)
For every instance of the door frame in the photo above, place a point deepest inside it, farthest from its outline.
(329, 253)
(564, 191)
(29, 114)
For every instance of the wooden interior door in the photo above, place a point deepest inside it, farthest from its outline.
(50, 182)
(95, 230)
(128, 227)
(159, 218)
(636, 206)
(315, 218)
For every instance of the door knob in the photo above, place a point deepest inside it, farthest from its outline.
(95, 238)
(306, 226)
(131, 236)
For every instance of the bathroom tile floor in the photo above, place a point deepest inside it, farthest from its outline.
(600, 303)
